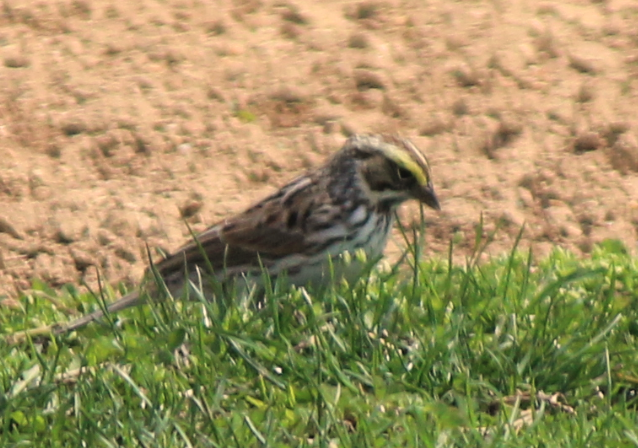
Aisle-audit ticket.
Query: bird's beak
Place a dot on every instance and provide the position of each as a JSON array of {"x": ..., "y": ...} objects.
[{"x": 427, "y": 196}]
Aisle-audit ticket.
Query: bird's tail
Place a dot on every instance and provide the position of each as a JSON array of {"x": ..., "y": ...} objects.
[{"x": 127, "y": 301}]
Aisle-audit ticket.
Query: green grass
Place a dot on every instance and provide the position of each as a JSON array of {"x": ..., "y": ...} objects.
[{"x": 431, "y": 357}]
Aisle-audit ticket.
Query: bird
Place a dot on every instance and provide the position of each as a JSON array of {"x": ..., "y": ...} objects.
[{"x": 303, "y": 230}]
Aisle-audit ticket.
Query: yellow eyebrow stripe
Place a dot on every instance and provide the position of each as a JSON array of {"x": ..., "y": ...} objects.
[{"x": 405, "y": 161}]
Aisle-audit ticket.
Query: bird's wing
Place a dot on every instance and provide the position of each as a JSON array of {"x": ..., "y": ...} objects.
[{"x": 267, "y": 231}]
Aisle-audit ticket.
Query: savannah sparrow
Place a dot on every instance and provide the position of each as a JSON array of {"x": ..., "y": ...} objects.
[{"x": 346, "y": 205}]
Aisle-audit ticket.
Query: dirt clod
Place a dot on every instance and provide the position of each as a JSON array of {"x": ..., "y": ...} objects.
[{"x": 587, "y": 141}]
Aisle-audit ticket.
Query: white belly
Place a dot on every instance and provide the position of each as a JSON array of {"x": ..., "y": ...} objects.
[{"x": 343, "y": 259}]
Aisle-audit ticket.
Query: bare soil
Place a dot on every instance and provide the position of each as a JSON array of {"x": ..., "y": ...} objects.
[{"x": 120, "y": 120}]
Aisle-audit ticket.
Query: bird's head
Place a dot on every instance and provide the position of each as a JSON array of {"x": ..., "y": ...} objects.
[{"x": 392, "y": 170}]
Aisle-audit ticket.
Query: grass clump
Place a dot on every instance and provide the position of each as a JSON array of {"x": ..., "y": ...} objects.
[{"x": 513, "y": 352}]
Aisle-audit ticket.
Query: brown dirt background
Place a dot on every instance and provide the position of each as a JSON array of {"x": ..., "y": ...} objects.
[{"x": 118, "y": 120}]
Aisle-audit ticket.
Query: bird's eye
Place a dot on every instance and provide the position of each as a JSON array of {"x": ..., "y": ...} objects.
[{"x": 404, "y": 174}]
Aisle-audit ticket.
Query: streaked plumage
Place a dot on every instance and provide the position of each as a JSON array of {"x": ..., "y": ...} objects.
[{"x": 345, "y": 205}]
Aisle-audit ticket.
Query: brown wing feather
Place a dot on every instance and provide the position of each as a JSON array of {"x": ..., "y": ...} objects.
[{"x": 260, "y": 233}]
